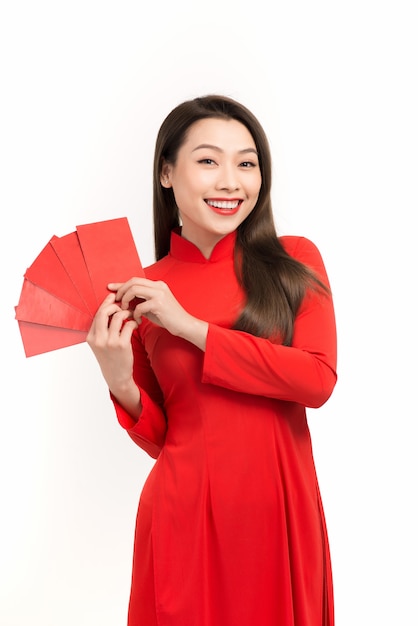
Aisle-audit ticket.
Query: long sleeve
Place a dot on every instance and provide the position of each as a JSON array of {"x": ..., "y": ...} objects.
[
  {"x": 304, "y": 372},
  {"x": 149, "y": 431}
]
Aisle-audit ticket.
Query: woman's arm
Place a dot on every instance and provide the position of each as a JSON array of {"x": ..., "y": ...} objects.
[
  {"x": 305, "y": 372},
  {"x": 133, "y": 387},
  {"x": 110, "y": 340}
]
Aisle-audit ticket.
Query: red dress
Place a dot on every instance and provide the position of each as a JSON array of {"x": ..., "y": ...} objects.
[{"x": 230, "y": 528}]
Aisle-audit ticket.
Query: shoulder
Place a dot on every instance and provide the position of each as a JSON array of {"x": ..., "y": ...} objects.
[
  {"x": 303, "y": 250},
  {"x": 158, "y": 270},
  {"x": 294, "y": 244}
]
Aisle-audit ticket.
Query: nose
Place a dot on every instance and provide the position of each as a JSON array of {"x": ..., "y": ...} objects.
[{"x": 228, "y": 179}]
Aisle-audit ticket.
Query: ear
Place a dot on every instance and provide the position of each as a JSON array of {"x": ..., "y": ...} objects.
[{"x": 165, "y": 175}]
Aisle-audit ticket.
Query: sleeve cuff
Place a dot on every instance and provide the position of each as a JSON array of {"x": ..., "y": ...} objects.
[{"x": 149, "y": 431}]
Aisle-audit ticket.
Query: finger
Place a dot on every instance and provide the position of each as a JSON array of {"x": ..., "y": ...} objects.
[
  {"x": 121, "y": 288},
  {"x": 104, "y": 313},
  {"x": 127, "y": 329},
  {"x": 129, "y": 283},
  {"x": 114, "y": 286},
  {"x": 129, "y": 298},
  {"x": 126, "y": 292},
  {"x": 153, "y": 318},
  {"x": 148, "y": 309},
  {"x": 110, "y": 298},
  {"x": 118, "y": 320}
]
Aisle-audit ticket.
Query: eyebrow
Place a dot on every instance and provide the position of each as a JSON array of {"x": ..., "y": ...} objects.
[{"x": 212, "y": 147}]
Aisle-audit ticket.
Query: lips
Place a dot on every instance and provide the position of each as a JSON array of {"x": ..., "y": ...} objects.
[{"x": 224, "y": 207}]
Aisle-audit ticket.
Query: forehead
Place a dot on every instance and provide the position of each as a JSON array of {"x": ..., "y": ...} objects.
[{"x": 225, "y": 134}]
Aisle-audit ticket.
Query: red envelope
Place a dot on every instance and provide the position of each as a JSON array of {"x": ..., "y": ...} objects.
[
  {"x": 48, "y": 272},
  {"x": 68, "y": 251},
  {"x": 38, "y": 339},
  {"x": 38, "y": 306},
  {"x": 109, "y": 253},
  {"x": 67, "y": 282}
]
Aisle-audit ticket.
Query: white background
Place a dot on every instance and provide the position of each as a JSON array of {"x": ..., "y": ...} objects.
[{"x": 85, "y": 86}]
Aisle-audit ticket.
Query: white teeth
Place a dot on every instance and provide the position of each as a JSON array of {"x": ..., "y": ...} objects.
[{"x": 223, "y": 205}]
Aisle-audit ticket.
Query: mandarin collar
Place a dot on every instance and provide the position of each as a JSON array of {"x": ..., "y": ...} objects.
[{"x": 185, "y": 250}]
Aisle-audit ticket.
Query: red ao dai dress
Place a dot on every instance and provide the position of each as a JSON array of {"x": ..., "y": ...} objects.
[{"x": 230, "y": 528}]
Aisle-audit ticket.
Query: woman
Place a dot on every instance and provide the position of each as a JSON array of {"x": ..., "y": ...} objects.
[{"x": 211, "y": 360}]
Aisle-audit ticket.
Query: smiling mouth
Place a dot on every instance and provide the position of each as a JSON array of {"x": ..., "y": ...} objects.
[{"x": 228, "y": 205}]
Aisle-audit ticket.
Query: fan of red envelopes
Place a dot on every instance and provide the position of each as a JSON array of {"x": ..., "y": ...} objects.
[{"x": 67, "y": 282}]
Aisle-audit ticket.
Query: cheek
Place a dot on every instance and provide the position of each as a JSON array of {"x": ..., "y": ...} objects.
[
  {"x": 254, "y": 185},
  {"x": 190, "y": 184},
  {"x": 257, "y": 185},
  {"x": 255, "y": 190}
]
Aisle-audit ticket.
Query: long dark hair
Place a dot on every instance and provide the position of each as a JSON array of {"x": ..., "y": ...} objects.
[{"x": 273, "y": 281}]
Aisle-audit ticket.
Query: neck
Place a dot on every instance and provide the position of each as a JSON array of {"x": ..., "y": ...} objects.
[{"x": 204, "y": 244}]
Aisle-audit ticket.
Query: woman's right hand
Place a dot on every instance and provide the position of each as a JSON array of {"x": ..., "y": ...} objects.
[{"x": 109, "y": 338}]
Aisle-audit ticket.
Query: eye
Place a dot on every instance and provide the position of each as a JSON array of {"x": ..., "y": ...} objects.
[
  {"x": 207, "y": 161},
  {"x": 248, "y": 164}
]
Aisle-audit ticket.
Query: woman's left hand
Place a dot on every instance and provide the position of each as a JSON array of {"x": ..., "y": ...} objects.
[{"x": 154, "y": 300}]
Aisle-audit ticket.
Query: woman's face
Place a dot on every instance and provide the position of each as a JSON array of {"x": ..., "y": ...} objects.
[{"x": 215, "y": 180}]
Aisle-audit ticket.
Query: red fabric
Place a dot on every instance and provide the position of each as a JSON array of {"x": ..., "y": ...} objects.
[{"x": 231, "y": 529}]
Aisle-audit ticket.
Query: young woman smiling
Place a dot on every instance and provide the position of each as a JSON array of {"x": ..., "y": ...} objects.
[{"x": 211, "y": 361}]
